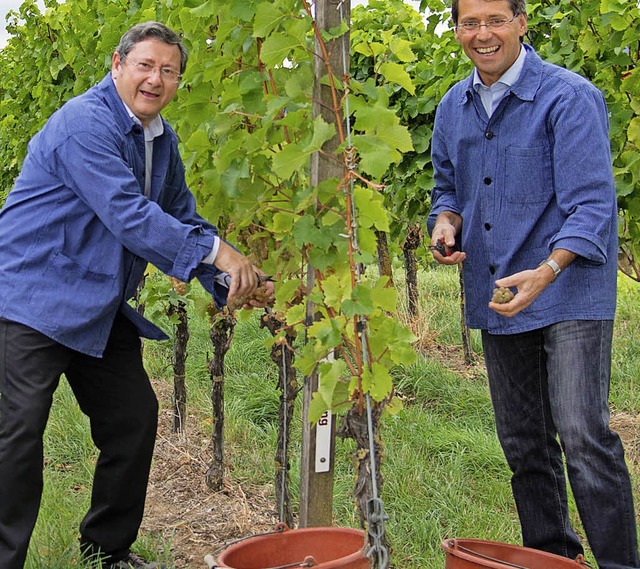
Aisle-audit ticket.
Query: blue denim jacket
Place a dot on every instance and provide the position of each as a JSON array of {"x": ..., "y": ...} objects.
[
  {"x": 76, "y": 231},
  {"x": 534, "y": 177}
]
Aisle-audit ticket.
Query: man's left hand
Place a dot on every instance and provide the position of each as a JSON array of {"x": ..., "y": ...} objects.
[{"x": 529, "y": 285}]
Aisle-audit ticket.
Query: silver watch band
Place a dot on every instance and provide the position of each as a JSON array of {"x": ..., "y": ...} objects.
[{"x": 554, "y": 267}]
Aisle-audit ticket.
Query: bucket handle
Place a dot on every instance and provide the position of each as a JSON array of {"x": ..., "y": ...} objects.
[
  {"x": 209, "y": 559},
  {"x": 454, "y": 545},
  {"x": 309, "y": 561},
  {"x": 279, "y": 528}
]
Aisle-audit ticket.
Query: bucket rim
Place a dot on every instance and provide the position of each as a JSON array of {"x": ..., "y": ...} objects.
[
  {"x": 456, "y": 547},
  {"x": 282, "y": 529}
]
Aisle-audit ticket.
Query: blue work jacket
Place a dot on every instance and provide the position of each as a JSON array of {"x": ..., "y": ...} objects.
[
  {"x": 534, "y": 177},
  {"x": 77, "y": 232}
]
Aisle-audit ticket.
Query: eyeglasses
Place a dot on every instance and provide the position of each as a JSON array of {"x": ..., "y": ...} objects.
[
  {"x": 166, "y": 73},
  {"x": 473, "y": 27}
]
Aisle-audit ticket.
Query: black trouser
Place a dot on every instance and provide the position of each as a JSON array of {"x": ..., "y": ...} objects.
[{"x": 115, "y": 393}]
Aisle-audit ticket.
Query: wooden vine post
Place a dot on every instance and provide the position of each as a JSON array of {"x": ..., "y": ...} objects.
[{"x": 316, "y": 478}]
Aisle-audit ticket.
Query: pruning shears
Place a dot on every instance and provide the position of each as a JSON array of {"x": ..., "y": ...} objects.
[
  {"x": 443, "y": 249},
  {"x": 225, "y": 279},
  {"x": 265, "y": 279}
]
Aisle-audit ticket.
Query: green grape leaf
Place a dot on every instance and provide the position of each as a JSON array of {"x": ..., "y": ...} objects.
[
  {"x": 289, "y": 160},
  {"x": 395, "y": 73},
  {"x": 633, "y": 132},
  {"x": 322, "y": 132},
  {"x": 276, "y": 48},
  {"x": 267, "y": 19},
  {"x": 377, "y": 381}
]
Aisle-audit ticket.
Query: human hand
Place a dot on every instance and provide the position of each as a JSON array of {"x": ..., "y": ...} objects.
[
  {"x": 443, "y": 245},
  {"x": 262, "y": 296},
  {"x": 242, "y": 276},
  {"x": 529, "y": 285},
  {"x": 248, "y": 286}
]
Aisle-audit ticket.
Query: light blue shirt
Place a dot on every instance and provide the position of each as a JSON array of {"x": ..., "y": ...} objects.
[
  {"x": 492, "y": 95},
  {"x": 534, "y": 177}
]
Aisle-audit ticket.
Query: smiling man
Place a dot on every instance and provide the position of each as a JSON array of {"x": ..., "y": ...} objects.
[
  {"x": 101, "y": 194},
  {"x": 493, "y": 49},
  {"x": 524, "y": 189},
  {"x": 147, "y": 77}
]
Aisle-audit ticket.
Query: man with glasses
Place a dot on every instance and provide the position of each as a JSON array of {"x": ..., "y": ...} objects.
[
  {"x": 102, "y": 193},
  {"x": 524, "y": 197}
]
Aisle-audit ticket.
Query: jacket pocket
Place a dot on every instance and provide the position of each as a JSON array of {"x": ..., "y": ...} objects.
[
  {"x": 529, "y": 175},
  {"x": 70, "y": 296}
]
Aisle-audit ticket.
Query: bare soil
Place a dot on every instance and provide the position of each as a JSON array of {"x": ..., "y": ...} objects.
[{"x": 180, "y": 506}]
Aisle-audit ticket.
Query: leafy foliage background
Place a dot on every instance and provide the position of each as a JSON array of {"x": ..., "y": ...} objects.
[{"x": 244, "y": 115}]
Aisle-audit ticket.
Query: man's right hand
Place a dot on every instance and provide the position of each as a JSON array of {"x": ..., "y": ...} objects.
[
  {"x": 444, "y": 231},
  {"x": 243, "y": 275}
]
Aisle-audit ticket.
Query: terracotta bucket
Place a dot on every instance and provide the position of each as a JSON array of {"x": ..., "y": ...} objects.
[
  {"x": 317, "y": 547},
  {"x": 474, "y": 553}
]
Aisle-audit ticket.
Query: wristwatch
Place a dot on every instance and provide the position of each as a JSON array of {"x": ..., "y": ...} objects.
[{"x": 554, "y": 267}]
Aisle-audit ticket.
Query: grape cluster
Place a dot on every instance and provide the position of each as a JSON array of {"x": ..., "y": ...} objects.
[
  {"x": 260, "y": 294},
  {"x": 178, "y": 286},
  {"x": 502, "y": 295}
]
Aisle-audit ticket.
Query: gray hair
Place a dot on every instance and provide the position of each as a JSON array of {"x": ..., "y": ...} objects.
[
  {"x": 517, "y": 7},
  {"x": 152, "y": 30}
]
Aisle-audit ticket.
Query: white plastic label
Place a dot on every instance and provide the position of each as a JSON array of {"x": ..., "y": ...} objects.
[{"x": 323, "y": 443}]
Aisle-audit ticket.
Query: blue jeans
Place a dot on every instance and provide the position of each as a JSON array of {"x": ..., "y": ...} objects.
[{"x": 550, "y": 391}]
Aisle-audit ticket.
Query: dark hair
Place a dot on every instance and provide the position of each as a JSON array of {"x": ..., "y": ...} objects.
[
  {"x": 517, "y": 7},
  {"x": 152, "y": 30}
]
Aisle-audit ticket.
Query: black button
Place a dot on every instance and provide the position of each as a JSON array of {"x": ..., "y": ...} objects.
[
  {"x": 487, "y": 226},
  {"x": 487, "y": 181},
  {"x": 489, "y": 135},
  {"x": 492, "y": 269}
]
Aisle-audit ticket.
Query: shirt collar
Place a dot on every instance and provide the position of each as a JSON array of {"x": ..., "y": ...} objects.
[
  {"x": 509, "y": 77},
  {"x": 155, "y": 128}
]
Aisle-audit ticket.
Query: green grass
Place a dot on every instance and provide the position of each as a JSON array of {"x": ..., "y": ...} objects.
[
  {"x": 444, "y": 472},
  {"x": 626, "y": 354}
]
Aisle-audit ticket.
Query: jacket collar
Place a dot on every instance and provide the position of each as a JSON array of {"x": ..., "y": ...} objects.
[
  {"x": 527, "y": 85},
  {"x": 530, "y": 79}
]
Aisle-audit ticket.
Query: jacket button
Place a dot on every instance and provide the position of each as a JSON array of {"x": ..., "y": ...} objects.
[
  {"x": 489, "y": 135},
  {"x": 487, "y": 226},
  {"x": 487, "y": 181},
  {"x": 492, "y": 269}
]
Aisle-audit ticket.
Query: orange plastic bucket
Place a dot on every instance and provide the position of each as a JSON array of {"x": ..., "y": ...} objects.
[
  {"x": 474, "y": 553},
  {"x": 317, "y": 547}
]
